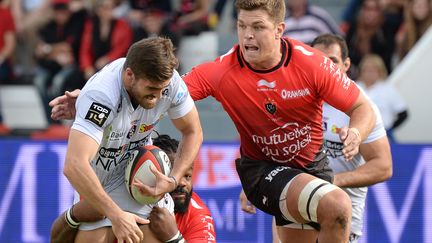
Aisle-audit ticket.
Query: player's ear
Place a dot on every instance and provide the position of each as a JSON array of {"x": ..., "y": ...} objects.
[
  {"x": 279, "y": 30},
  {"x": 347, "y": 64}
]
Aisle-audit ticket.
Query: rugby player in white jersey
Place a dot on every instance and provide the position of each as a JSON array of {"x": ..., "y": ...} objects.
[
  {"x": 373, "y": 164},
  {"x": 116, "y": 112}
]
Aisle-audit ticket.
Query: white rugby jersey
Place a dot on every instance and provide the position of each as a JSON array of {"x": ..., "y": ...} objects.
[
  {"x": 105, "y": 113},
  {"x": 333, "y": 121}
]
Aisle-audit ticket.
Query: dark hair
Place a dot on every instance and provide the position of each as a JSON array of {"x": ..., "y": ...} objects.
[
  {"x": 166, "y": 143},
  {"x": 275, "y": 8},
  {"x": 152, "y": 59},
  {"x": 330, "y": 39}
]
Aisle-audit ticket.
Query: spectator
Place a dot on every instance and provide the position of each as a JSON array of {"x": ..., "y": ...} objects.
[
  {"x": 7, "y": 43},
  {"x": 373, "y": 75},
  {"x": 304, "y": 21},
  {"x": 192, "y": 17},
  {"x": 29, "y": 16},
  {"x": 105, "y": 39},
  {"x": 417, "y": 20},
  {"x": 138, "y": 8},
  {"x": 371, "y": 32},
  {"x": 155, "y": 23},
  {"x": 57, "y": 52}
]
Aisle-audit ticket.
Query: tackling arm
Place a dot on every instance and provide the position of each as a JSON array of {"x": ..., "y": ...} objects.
[{"x": 378, "y": 166}]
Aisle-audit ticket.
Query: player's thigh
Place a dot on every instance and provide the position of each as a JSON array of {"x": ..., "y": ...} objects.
[
  {"x": 291, "y": 235},
  {"x": 305, "y": 195},
  {"x": 100, "y": 235},
  {"x": 149, "y": 237}
]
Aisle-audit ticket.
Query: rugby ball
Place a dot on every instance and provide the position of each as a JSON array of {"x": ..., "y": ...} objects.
[{"x": 138, "y": 167}]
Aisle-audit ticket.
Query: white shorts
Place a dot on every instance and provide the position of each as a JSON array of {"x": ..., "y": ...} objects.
[{"x": 122, "y": 198}]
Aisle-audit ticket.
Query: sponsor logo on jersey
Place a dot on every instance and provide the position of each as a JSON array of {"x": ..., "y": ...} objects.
[
  {"x": 147, "y": 127},
  {"x": 116, "y": 135},
  {"x": 335, "y": 129},
  {"x": 264, "y": 85},
  {"x": 333, "y": 149},
  {"x": 98, "y": 114},
  {"x": 283, "y": 143},
  {"x": 292, "y": 94}
]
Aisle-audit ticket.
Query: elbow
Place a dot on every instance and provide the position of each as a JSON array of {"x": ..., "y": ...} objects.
[
  {"x": 387, "y": 173},
  {"x": 69, "y": 169}
]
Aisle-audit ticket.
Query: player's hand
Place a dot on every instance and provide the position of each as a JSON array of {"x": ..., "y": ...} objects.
[
  {"x": 351, "y": 140},
  {"x": 163, "y": 224},
  {"x": 63, "y": 107},
  {"x": 125, "y": 227},
  {"x": 164, "y": 184},
  {"x": 246, "y": 206}
]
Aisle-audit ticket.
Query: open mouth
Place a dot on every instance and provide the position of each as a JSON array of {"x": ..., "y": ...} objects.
[{"x": 251, "y": 48}]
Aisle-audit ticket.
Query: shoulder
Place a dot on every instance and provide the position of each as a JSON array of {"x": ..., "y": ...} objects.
[
  {"x": 304, "y": 56},
  {"x": 197, "y": 205},
  {"x": 106, "y": 84}
]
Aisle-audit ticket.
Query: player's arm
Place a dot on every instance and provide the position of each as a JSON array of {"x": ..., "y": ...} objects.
[
  {"x": 163, "y": 225},
  {"x": 192, "y": 137},
  {"x": 378, "y": 166},
  {"x": 362, "y": 120},
  {"x": 63, "y": 107},
  {"x": 63, "y": 231},
  {"x": 246, "y": 206},
  {"x": 81, "y": 150}
]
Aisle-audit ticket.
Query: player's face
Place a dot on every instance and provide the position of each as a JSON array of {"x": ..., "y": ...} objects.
[
  {"x": 334, "y": 53},
  {"x": 145, "y": 92},
  {"x": 259, "y": 38},
  {"x": 183, "y": 193}
]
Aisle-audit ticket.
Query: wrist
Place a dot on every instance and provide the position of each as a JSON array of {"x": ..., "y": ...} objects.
[
  {"x": 70, "y": 219},
  {"x": 177, "y": 238},
  {"x": 356, "y": 132},
  {"x": 175, "y": 181}
]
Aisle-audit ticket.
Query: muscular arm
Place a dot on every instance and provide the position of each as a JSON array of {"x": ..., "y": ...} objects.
[
  {"x": 378, "y": 166},
  {"x": 362, "y": 120},
  {"x": 362, "y": 116},
  {"x": 192, "y": 137},
  {"x": 81, "y": 150}
]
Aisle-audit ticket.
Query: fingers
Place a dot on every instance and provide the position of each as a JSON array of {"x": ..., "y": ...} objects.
[
  {"x": 73, "y": 94},
  {"x": 351, "y": 143},
  {"x": 246, "y": 206},
  {"x": 140, "y": 220},
  {"x": 57, "y": 100},
  {"x": 343, "y": 132}
]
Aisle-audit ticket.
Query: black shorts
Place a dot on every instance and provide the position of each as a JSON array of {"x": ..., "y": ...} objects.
[{"x": 264, "y": 181}]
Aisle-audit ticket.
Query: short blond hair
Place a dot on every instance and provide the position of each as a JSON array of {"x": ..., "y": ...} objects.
[{"x": 274, "y": 8}]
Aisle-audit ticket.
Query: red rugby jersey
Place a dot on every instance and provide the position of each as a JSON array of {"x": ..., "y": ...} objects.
[
  {"x": 196, "y": 225},
  {"x": 277, "y": 112}
]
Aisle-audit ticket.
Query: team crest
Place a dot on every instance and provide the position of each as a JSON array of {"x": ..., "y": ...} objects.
[{"x": 270, "y": 106}]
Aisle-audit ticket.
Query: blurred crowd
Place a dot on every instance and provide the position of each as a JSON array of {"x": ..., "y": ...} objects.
[{"x": 56, "y": 45}]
